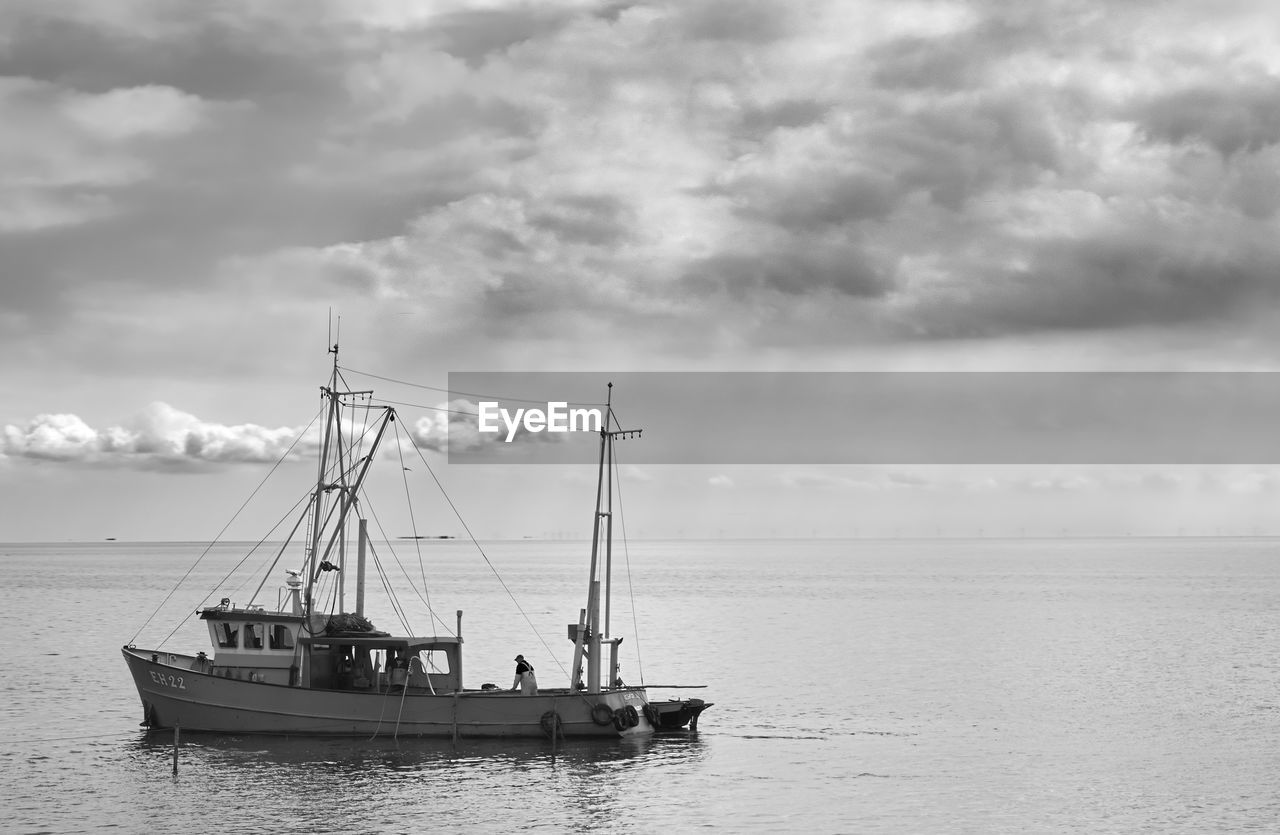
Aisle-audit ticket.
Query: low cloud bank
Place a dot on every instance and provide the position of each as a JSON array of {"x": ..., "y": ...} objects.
[
  {"x": 165, "y": 437},
  {"x": 161, "y": 435}
]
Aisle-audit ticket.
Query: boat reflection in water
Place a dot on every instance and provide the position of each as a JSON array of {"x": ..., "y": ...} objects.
[
  {"x": 324, "y": 757},
  {"x": 422, "y": 784}
]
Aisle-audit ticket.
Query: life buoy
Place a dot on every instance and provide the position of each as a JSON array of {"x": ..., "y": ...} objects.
[
  {"x": 551, "y": 724},
  {"x": 602, "y": 714},
  {"x": 633, "y": 716}
]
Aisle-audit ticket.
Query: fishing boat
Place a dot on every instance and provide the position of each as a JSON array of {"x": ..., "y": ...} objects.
[{"x": 302, "y": 668}]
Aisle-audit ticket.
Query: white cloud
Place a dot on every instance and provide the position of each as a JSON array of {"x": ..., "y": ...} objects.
[
  {"x": 162, "y": 435},
  {"x": 455, "y": 427},
  {"x": 128, "y": 113},
  {"x": 453, "y": 420},
  {"x": 57, "y": 437}
]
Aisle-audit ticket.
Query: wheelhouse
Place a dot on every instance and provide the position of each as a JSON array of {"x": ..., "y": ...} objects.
[
  {"x": 278, "y": 648},
  {"x": 254, "y": 644},
  {"x": 431, "y": 664}
]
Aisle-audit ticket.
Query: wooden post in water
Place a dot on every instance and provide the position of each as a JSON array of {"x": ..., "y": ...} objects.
[
  {"x": 459, "y": 655},
  {"x": 177, "y": 735}
]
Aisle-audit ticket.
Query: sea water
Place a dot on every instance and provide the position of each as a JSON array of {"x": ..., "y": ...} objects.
[{"x": 1120, "y": 685}]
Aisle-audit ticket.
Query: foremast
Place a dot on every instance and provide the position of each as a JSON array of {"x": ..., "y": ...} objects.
[
  {"x": 337, "y": 473},
  {"x": 589, "y": 636}
]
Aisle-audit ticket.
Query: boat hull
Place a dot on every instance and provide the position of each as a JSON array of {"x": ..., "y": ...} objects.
[{"x": 175, "y": 691}]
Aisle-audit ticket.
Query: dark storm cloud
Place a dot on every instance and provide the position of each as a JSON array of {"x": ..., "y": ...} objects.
[
  {"x": 823, "y": 198},
  {"x": 964, "y": 58},
  {"x": 264, "y": 61},
  {"x": 274, "y": 164},
  {"x": 935, "y": 169},
  {"x": 1005, "y": 156},
  {"x": 928, "y": 63},
  {"x": 587, "y": 219},
  {"x": 956, "y": 150},
  {"x": 1130, "y": 277},
  {"x": 951, "y": 151},
  {"x": 745, "y": 21},
  {"x": 476, "y": 34},
  {"x": 759, "y": 120},
  {"x": 1100, "y": 283},
  {"x": 798, "y": 270},
  {"x": 1230, "y": 117}
]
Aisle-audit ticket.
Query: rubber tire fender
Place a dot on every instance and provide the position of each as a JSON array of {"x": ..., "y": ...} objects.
[
  {"x": 602, "y": 714},
  {"x": 633, "y": 716},
  {"x": 551, "y": 724}
]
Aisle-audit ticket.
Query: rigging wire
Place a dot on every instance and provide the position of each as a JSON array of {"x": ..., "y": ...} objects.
[
  {"x": 267, "y": 574},
  {"x": 335, "y": 505},
  {"x": 76, "y": 738},
  {"x": 408, "y": 578},
  {"x": 229, "y": 523},
  {"x": 413, "y": 522},
  {"x": 253, "y": 551},
  {"x": 387, "y": 402},
  {"x": 230, "y": 573},
  {"x": 626, "y": 556},
  {"x": 460, "y": 393},
  {"x": 487, "y": 561},
  {"x": 391, "y": 595}
]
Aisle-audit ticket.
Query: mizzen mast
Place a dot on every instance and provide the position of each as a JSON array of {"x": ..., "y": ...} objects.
[{"x": 588, "y": 635}]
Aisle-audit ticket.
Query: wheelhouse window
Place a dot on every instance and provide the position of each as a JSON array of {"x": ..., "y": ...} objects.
[
  {"x": 227, "y": 636},
  {"x": 434, "y": 660},
  {"x": 281, "y": 637},
  {"x": 253, "y": 636}
]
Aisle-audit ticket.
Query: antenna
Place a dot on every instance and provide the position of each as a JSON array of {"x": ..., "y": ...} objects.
[{"x": 335, "y": 334}]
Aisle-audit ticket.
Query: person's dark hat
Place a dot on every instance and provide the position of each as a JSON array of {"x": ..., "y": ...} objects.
[{"x": 519, "y": 657}]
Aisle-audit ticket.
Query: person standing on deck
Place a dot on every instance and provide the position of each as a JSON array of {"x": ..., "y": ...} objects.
[{"x": 524, "y": 681}]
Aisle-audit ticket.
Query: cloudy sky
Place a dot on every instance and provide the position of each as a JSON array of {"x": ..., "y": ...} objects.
[{"x": 478, "y": 185}]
